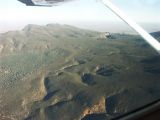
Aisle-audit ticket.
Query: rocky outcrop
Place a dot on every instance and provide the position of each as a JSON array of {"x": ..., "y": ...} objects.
[
  {"x": 88, "y": 79},
  {"x": 104, "y": 70},
  {"x": 96, "y": 109}
]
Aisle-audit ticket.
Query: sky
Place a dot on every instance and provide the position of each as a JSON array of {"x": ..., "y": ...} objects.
[{"x": 82, "y": 13}]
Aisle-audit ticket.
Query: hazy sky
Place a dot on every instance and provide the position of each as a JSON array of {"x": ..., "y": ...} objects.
[{"x": 15, "y": 15}]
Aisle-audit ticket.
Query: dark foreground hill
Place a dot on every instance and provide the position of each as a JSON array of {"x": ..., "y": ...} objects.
[
  {"x": 59, "y": 72},
  {"x": 156, "y": 34}
]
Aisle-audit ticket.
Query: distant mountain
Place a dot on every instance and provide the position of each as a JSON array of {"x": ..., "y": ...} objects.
[
  {"x": 36, "y": 37},
  {"x": 156, "y": 34}
]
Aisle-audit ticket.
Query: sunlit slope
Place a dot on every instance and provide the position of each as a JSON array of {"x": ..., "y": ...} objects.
[{"x": 59, "y": 72}]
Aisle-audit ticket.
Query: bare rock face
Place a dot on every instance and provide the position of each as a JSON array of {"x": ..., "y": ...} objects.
[{"x": 95, "y": 109}]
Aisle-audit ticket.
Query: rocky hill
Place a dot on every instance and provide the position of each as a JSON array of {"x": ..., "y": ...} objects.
[{"x": 60, "y": 72}]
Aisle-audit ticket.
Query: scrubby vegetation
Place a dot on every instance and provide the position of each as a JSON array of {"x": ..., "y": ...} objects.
[{"x": 47, "y": 71}]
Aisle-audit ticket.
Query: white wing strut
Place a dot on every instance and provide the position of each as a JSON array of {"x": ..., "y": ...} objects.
[{"x": 152, "y": 41}]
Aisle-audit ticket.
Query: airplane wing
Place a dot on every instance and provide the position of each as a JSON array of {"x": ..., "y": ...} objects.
[
  {"x": 47, "y": 3},
  {"x": 147, "y": 37},
  {"x": 152, "y": 41}
]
